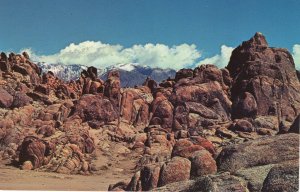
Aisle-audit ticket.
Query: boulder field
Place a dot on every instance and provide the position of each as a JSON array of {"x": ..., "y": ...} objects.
[{"x": 208, "y": 129}]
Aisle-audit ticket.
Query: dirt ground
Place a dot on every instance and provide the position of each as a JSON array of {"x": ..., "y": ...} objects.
[
  {"x": 12, "y": 178},
  {"x": 112, "y": 165}
]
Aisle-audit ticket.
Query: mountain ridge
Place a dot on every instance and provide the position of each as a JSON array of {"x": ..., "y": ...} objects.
[{"x": 132, "y": 74}]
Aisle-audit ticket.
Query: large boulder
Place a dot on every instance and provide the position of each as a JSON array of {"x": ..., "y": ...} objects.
[
  {"x": 178, "y": 169},
  {"x": 210, "y": 183},
  {"x": 162, "y": 112},
  {"x": 283, "y": 177},
  {"x": 36, "y": 151},
  {"x": 265, "y": 77},
  {"x": 134, "y": 108},
  {"x": 6, "y": 99},
  {"x": 203, "y": 164},
  {"x": 199, "y": 102},
  {"x": 150, "y": 177},
  {"x": 262, "y": 151},
  {"x": 95, "y": 110}
]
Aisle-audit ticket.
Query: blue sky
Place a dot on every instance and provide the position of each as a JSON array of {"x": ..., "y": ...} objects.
[{"x": 48, "y": 27}]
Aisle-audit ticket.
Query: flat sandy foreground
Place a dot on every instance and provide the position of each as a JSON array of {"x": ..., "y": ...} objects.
[{"x": 12, "y": 178}]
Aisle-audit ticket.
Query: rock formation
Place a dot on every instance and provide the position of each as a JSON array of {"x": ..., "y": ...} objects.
[{"x": 208, "y": 129}]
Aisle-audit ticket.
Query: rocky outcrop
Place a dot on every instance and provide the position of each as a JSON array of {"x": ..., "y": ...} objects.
[
  {"x": 112, "y": 88},
  {"x": 259, "y": 152},
  {"x": 95, "y": 110},
  {"x": 264, "y": 80},
  {"x": 36, "y": 151},
  {"x": 284, "y": 177},
  {"x": 135, "y": 104},
  {"x": 227, "y": 129}
]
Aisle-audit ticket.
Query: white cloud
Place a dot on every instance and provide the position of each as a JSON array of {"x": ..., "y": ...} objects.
[
  {"x": 103, "y": 55},
  {"x": 220, "y": 60},
  {"x": 296, "y": 55}
]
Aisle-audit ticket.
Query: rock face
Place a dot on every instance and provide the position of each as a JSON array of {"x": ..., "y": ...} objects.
[
  {"x": 264, "y": 80},
  {"x": 259, "y": 152}
]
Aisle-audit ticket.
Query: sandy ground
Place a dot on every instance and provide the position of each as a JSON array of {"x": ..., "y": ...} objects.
[
  {"x": 15, "y": 179},
  {"x": 113, "y": 161},
  {"x": 112, "y": 169},
  {"x": 12, "y": 178}
]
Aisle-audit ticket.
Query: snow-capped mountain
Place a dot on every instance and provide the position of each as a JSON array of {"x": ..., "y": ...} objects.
[{"x": 131, "y": 73}]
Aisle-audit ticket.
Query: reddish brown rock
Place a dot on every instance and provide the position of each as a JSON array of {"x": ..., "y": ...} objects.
[
  {"x": 46, "y": 130},
  {"x": 183, "y": 73},
  {"x": 203, "y": 164},
  {"x": 20, "y": 100},
  {"x": 34, "y": 150},
  {"x": 242, "y": 125},
  {"x": 135, "y": 106},
  {"x": 94, "y": 109},
  {"x": 244, "y": 106},
  {"x": 150, "y": 177},
  {"x": 162, "y": 113},
  {"x": 6, "y": 99},
  {"x": 185, "y": 148},
  {"x": 178, "y": 169},
  {"x": 112, "y": 88},
  {"x": 197, "y": 103},
  {"x": 206, "y": 144},
  {"x": 269, "y": 75}
]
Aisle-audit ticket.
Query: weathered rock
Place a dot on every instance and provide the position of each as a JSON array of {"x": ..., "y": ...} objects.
[
  {"x": 254, "y": 176},
  {"x": 135, "y": 106},
  {"x": 178, "y": 169},
  {"x": 259, "y": 152},
  {"x": 6, "y": 99},
  {"x": 185, "y": 148},
  {"x": 295, "y": 127},
  {"x": 135, "y": 183},
  {"x": 150, "y": 176},
  {"x": 212, "y": 183},
  {"x": 21, "y": 100},
  {"x": 269, "y": 75},
  {"x": 94, "y": 109},
  {"x": 162, "y": 114},
  {"x": 112, "y": 88},
  {"x": 183, "y": 73},
  {"x": 27, "y": 165},
  {"x": 34, "y": 150},
  {"x": 207, "y": 95},
  {"x": 46, "y": 130},
  {"x": 244, "y": 106},
  {"x": 283, "y": 177},
  {"x": 68, "y": 159},
  {"x": 203, "y": 164},
  {"x": 242, "y": 125}
]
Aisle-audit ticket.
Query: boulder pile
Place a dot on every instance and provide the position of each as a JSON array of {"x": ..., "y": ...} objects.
[{"x": 208, "y": 129}]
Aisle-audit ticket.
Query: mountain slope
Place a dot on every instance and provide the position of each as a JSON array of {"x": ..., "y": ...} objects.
[{"x": 131, "y": 74}]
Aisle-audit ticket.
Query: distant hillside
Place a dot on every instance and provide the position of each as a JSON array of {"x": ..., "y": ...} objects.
[{"x": 131, "y": 74}]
